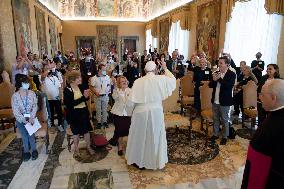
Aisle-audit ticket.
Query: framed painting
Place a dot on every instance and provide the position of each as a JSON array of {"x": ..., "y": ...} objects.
[
  {"x": 107, "y": 39},
  {"x": 22, "y": 26},
  {"x": 52, "y": 34},
  {"x": 41, "y": 31},
  {"x": 129, "y": 43},
  {"x": 208, "y": 29},
  {"x": 85, "y": 42},
  {"x": 164, "y": 27}
]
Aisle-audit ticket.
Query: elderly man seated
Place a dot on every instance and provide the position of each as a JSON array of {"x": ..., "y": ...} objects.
[{"x": 264, "y": 166}]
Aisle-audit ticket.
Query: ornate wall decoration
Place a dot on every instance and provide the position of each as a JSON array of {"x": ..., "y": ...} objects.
[
  {"x": 41, "y": 31},
  {"x": 53, "y": 5},
  {"x": 106, "y": 8},
  {"x": 107, "y": 39},
  {"x": 52, "y": 34},
  {"x": 22, "y": 26},
  {"x": 164, "y": 26},
  {"x": 208, "y": 29}
]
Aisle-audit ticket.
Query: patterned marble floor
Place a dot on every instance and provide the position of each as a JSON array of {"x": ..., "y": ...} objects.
[{"x": 59, "y": 169}]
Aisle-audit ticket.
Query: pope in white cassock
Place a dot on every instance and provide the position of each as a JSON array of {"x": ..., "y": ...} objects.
[{"x": 147, "y": 143}]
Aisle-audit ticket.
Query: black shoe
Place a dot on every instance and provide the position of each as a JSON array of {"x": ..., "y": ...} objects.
[
  {"x": 113, "y": 142},
  {"x": 223, "y": 141},
  {"x": 213, "y": 138},
  {"x": 120, "y": 152},
  {"x": 34, "y": 155},
  {"x": 105, "y": 125},
  {"x": 26, "y": 156},
  {"x": 99, "y": 126},
  {"x": 135, "y": 165}
]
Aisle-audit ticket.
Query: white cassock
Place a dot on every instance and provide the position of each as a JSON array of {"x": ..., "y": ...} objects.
[{"x": 147, "y": 143}]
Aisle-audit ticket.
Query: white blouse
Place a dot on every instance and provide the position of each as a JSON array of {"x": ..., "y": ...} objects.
[{"x": 122, "y": 106}]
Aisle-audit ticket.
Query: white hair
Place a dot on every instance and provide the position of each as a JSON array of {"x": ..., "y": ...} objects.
[{"x": 276, "y": 87}]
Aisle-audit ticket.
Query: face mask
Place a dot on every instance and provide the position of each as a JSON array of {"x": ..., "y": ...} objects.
[
  {"x": 25, "y": 86},
  {"x": 104, "y": 73}
]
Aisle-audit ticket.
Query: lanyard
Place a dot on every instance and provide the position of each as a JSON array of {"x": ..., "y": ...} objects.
[
  {"x": 52, "y": 80},
  {"x": 101, "y": 81},
  {"x": 25, "y": 104}
]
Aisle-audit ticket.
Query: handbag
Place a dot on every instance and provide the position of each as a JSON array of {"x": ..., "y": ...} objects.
[{"x": 100, "y": 141}]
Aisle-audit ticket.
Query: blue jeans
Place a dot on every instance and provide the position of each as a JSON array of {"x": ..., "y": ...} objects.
[
  {"x": 28, "y": 141},
  {"x": 221, "y": 116}
]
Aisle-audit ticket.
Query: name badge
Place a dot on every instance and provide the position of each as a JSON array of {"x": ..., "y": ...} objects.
[
  {"x": 25, "y": 71},
  {"x": 260, "y": 63},
  {"x": 89, "y": 73},
  {"x": 27, "y": 115},
  {"x": 206, "y": 72}
]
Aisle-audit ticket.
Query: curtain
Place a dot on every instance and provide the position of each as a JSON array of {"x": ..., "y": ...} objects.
[
  {"x": 274, "y": 6},
  {"x": 179, "y": 39},
  {"x": 252, "y": 30},
  {"x": 151, "y": 40}
]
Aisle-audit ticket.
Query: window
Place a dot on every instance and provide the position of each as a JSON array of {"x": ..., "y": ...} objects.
[{"x": 252, "y": 30}]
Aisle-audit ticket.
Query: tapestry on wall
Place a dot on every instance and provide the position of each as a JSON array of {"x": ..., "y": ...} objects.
[
  {"x": 52, "y": 34},
  {"x": 208, "y": 24},
  {"x": 107, "y": 39},
  {"x": 1, "y": 54},
  {"x": 41, "y": 31},
  {"x": 164, "y": 35},
  {"x": 22, "y": 26}
]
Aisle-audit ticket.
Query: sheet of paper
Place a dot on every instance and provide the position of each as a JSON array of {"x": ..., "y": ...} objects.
[{"x": 33, "y": 128}]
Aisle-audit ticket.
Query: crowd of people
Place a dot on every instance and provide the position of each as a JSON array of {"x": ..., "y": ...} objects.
[{"x": 135, "y": 88}]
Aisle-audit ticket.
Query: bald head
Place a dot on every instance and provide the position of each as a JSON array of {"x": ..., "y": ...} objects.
[
  {"x": 272, "y": 94},
  {"x": 174, "y": 55}
]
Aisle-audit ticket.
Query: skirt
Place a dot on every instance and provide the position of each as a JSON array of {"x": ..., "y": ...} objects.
[
  {"x": 122, "y": 125},
  {"x": 81, "y": 125}
]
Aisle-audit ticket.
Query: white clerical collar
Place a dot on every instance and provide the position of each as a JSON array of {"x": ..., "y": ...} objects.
[{"x": 279, "y": 108}]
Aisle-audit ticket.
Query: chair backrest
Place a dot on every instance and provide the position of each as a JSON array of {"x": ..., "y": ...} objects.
[
  {"x": 205, "y": 96},
  {"x": 6, "y": 92},
  {"x": 170, "y": 104},
  {"x": 250, "y": 95},
  {"x": 42, "y": 113},
  {"x": 187, "y": 87}
]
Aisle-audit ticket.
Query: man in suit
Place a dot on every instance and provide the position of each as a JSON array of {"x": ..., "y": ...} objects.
[
  {"x": 222, "y": 82},
  {"x": 88, "y": 69},
  {"x": 144, "y": 60},
  {"x": 155, "y": 53},
  {"x": 175, "y": 66},
  {"x": 264, "y": 166},
  {"x": 59, "y": 57}
]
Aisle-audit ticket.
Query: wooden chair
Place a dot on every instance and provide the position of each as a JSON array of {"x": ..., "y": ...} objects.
[
  {"x": 91, "y": 105},
  {"x": 250, "y": 103},
  {"x": 171, "y": 103},
  {"x": 206, "y": 106},
  {"x": 6, "y": 112},
  {"x": 187, "y": 92},
  {"x": 42, "y": 116}
]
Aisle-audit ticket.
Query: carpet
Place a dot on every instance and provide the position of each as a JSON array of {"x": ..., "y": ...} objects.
[{"x": 180, "y": 151}]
